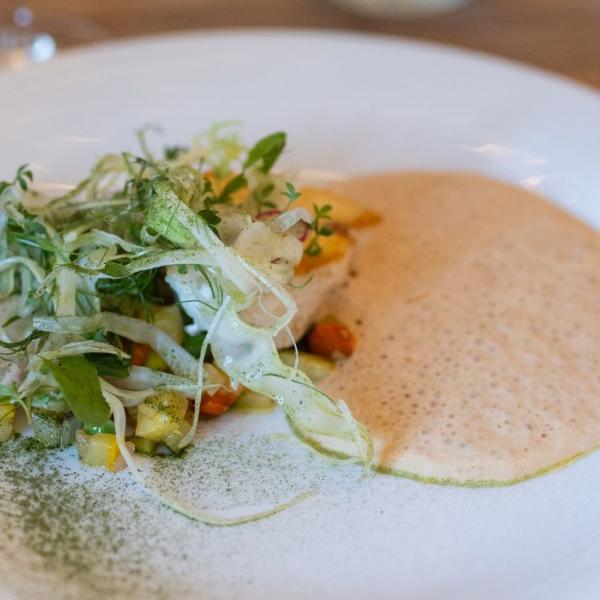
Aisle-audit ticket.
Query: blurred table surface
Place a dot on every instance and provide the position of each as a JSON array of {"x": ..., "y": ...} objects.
[{"x": 559, "y": 35}]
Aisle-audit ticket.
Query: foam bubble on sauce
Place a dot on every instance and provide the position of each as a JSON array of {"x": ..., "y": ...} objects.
[{"x": 479, "y": 329}]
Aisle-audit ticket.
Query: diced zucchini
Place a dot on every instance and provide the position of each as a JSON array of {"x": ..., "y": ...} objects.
[
  {"x": 161, "y": 415},
  {"x": 315, "y": 367},
  {"x": 100, "y": 450},
  {"x": 47, "y": 428},
  {"x": 173, "y": 439},
  {"x": 69, "y": 429},
  {"x": 144, "y": 446},
  {"x": 249, "y": 401},
  {"x": 7, "y": 416}
]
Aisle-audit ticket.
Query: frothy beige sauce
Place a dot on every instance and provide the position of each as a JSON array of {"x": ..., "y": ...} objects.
[{"x": 477, "y": 311}]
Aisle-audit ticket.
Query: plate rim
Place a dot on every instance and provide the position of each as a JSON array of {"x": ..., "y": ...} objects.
[{"x": 307, "y": 33}]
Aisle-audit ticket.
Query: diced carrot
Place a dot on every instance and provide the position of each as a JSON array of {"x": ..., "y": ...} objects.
[
  {"x": 216, "y": 404},
  {"x": 139, "y": 353},
  {"x": 331, "y": 339}
]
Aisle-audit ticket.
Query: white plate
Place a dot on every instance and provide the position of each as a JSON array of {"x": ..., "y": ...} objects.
[{"x": 350, "y": 104}]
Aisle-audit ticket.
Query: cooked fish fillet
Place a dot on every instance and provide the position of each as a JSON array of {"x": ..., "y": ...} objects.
[{"x": 313, "y": 300}]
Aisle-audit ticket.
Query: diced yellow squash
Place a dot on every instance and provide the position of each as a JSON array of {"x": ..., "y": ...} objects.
[
  {"x": 170, "y": 320},
  {"x": 315, "y": 367},
  {"x": 160, "y": 415},
  {"x": 216, "y": 376},
  {"x": 156, "y": 362},
  {"x": 7, "y": 417},
  {"x": 250, "y": 402},
  {"x": 100, "y": 450},
  {"x": 344, "y": 211},
  {"x": 333, "y": 247}
]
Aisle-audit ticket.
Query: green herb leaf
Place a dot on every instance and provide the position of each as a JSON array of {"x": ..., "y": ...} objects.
[
  {"x": 106, "y": 427},
  {"x": 78, "y": 380},
  {"x": 11, "y": 320},
  {"x": 211, "y": 218},
  {"x": 109, "y": 364},
  {"x": 232, "y": 186},
  {"x": 321, "y": 213},
  {"x": 267, "y": 151},
  {"x": 24, "y": 177},
  {"x": 173, "y": 152},
  {"x": 21, "y": 345},
  {"x": 291, "y": 193},
  {"x": 193, "y": 343},
  {"x": 314, "y": 248},
  {"x": 7, "y": 394}
]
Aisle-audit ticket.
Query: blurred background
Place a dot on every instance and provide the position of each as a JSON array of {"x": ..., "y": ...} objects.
[{"x": 559, "y": 35}]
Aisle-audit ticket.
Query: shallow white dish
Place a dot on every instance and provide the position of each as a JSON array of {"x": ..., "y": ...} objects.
[{"x": 350, "y": 104}]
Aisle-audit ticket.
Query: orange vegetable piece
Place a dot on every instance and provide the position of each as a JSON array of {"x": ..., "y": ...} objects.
[
  {"x": 216, "y": 404},
  {"x": 331, "y": 339},
  {"x": 344, "y": 210},
  {"x": 333, "y": 248},
  {"x": 139, "y": 353}
]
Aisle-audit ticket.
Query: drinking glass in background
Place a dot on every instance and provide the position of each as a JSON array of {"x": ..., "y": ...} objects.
[
  {"x": 33, "y": 37},
  {"x": 401, "y": 8}
]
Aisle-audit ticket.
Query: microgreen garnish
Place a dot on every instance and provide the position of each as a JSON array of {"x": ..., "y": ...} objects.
[
  {"x": 149, "y": 256},
  {"x": 21, "y": 346},
  {"x": 211, "y": 218},
  {"x": 265, "y": 152},
  {"x": 23, "y": 178},
  {"x": 261, "y": 197},
  {"x": 132, "y": 293},
  {"x": 173, "y": 152},
  {"x": 291, "y": 193},
  {"x": 321, "y": 213}
]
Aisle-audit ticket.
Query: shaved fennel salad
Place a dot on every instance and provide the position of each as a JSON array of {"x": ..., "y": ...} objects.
[{"x": 124, "y": 302}]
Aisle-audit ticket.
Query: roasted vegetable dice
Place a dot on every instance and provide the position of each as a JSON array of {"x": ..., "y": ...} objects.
[
  {"x": 316, "y": 367},
  {"x": 100, "y": 450},
  {"x": 144, "y": 446},
  {"x": 47, "y": 428},
  {"x": 249, "y": 401},
  {"x": 160, "y": 415},
  {"x": 173, "y": 439},
  {"x": 169, "y": 319},
  {"x": 7, "y": 417},
  {"x": 332, "y": 340},
  {"x": 217, "y": 403}
]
